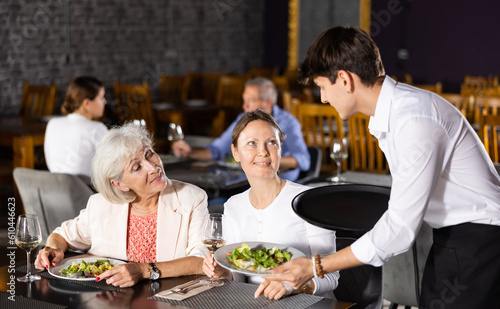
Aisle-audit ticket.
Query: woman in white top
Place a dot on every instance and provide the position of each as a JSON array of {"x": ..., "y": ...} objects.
[
  {"x": 70, "y": 141},
  {"x": 264, "y": 212}
]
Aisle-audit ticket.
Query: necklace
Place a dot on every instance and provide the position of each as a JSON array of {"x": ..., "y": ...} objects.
[{"x": 143, "y": 211}]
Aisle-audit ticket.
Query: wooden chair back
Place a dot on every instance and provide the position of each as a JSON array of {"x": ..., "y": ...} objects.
[
  {"x": 320, "y": 124},
  {"x": 38, "y": 100},
  {"x": 200, "y": 86},
  {"x": 171, "y": 88},
  {"x": 490, "y": 132},
  {"x": 364, "y": 152},
  {"x": 229, "y": 94},
  {"x": 480, "y": 85},
  {"x": 134, "y": 104}
]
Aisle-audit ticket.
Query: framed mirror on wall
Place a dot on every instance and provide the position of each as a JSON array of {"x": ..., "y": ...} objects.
[{"x": 306, "y": 19}]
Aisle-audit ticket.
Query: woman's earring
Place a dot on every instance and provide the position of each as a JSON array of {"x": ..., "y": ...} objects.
[{"x": 349, "y": 91}]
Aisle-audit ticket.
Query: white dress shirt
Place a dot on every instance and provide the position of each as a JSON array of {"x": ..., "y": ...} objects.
[
  {"x": 279, "y": 224},
  {"x": 441, "y": 173},
  {"x": 70, "y": 143}
]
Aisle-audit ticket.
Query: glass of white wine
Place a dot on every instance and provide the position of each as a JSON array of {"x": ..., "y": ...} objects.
[
  {"x": 213, "y": 240},
  {"x": 28, "y": 237},
  {"x": 339, "y": 154}
]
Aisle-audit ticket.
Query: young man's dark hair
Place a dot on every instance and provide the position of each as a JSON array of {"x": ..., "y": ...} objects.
[{"x": 342, "y": 48}]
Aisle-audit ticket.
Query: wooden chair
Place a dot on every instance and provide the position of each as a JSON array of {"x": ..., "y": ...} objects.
[
  {"x": 489, "y": 132},
  {"x": 489, "y": 105},
  {"x": 229, "y": 94},
  {"x": 200, "y": 86},
  {"x": 480, "y": 85},
  {"x": 37, "y": 100},
  {"x": 171, "y": 89},
  {"x": 320, "y": 124},
  {"x": 134, "y": 104},
  {"x": 364, "y": 152}
]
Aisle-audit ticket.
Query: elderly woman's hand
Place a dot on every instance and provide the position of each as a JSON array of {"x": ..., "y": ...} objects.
[
  {"x": 48, "y": 257},
  {"x": 124, "y": 275},
  {"x": 211, "y": 268}
]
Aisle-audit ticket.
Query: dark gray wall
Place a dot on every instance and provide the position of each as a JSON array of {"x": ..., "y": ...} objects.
[
  {"x": 444, "y": 39},
  {"x": 51, "y": 41}
]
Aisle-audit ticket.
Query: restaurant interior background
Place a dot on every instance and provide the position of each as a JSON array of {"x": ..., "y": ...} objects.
[{"x": 51, "y": 41}]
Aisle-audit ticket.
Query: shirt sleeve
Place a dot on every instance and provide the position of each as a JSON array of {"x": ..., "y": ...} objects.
[
  {"x": 322, "y": 242},
  {"x": 421, "y": 152},
  {"x": 294, "y": 144},
  {"x": 196, "y": 226},
  {"x": 76, "y": 231},
  {"x": 221, "y": 146}
]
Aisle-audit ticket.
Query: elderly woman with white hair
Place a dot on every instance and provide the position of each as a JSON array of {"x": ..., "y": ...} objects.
[{"x": 139, "y": 215}]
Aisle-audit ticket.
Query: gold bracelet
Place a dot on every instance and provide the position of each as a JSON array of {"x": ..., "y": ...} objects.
[{"x": 318, "y": 267}]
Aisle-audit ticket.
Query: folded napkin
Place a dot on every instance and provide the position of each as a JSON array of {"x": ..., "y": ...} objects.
[{"x": 193, "y": 289}]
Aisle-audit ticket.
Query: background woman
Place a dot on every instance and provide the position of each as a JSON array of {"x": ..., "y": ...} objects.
[
  {"x": 138, "y": 215},
  {"x": 264, "y": 213},
  {"x": 70, "y": 141}
]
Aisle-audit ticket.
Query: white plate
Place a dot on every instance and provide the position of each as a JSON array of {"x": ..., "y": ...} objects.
[
  {"x": 56, "y": 270},
  {"x": 221, "y": 256}
]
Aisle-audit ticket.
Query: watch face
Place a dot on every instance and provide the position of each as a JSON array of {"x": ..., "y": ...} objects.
[
  {"x": 155, "y": 275},
  {"x": 153, "y": 271}
]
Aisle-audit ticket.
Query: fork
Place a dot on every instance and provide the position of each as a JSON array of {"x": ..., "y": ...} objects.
[
  {"x": 186, "y": 289},
  {"x": 182, "y": 290}
]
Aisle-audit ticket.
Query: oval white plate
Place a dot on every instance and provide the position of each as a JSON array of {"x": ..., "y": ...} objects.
[
  {"x": 221, "y": 256},
  {"x": 56, "y": 270}
]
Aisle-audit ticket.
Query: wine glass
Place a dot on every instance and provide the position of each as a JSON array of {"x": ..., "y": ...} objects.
[
  {"x": 339, "y": 154},
  {"x": 213, "y": 239},
  {"x": 28, "y": 237},
  {"x": 174, "y": 132}
]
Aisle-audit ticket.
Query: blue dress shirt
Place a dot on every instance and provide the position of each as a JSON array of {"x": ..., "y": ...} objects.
[{"x": 294, "y": 144}]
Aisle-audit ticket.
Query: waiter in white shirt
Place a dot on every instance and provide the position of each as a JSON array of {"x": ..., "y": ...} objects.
[{"x": 441, "y": 174}]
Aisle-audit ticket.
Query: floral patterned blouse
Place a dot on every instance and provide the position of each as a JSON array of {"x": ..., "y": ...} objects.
[{"x": 141, "y": 238}]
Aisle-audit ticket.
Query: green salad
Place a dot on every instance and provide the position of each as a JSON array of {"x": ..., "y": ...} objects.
[
  {"x": 86, "y": 269},
  {"x": 257, "y": 260}
]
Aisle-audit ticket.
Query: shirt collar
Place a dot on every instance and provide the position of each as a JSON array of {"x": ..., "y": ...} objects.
[{"x": 380, "y": 121}]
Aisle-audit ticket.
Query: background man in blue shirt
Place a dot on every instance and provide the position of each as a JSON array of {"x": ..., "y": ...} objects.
[{"x": 259, "y": 93}]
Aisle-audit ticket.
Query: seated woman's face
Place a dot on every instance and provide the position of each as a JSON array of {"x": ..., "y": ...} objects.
[
  {"x": 259, "y": 149},
  {"x": 144, "y": 174}
]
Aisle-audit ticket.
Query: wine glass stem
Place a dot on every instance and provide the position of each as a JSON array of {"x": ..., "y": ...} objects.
[
  {"x": 28, "y": 266},
  {"x": 339, "y": 166}
]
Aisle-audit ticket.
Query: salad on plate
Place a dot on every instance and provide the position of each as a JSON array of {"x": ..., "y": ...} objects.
[
  {"x": 86, "y": 269},
  {"x": 257, "y": 260}
]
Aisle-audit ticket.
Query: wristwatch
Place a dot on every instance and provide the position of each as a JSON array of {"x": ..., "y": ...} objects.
[{"x": 154, "y": 273}]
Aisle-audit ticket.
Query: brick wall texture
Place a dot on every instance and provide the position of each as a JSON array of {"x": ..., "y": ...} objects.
[{"x": 51, "y": 41}]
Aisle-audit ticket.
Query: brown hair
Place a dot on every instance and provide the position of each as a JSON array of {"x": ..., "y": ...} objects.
[
  {"x": 342, "y": 48},
  {"x": 257, "y": 114},
  {"x": 79, "y": 89}
]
